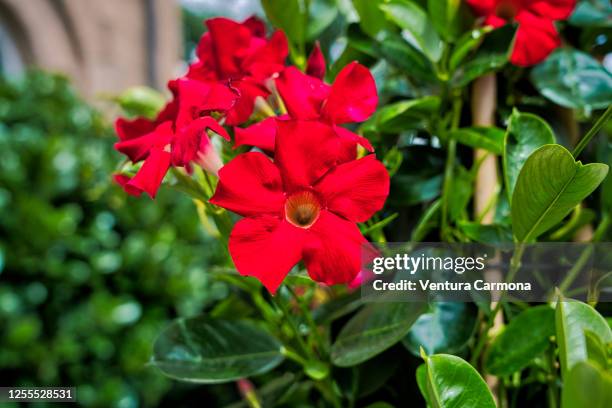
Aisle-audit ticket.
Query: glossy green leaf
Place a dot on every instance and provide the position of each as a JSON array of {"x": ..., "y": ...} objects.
[
  {"x": 573, "y": 79},
  {"x": 372, "y": 330},
  {"x": 322, "y": 15},
  {"x": 421, "y": 377},
  {"x": 549, "y": 186},
  {"x": 453, "y": 383},
  {"x": 411, "y": 17},
  {"x": 526, "y": 133},
  {"x": 592, "y": 13},
  {"x": 404, "y": 115},
  {"x": 573, "y": 319},
  {"x": 371, "y": 17},
  {"x": 446, "y": 328},
  {"x": 448, "y": 17},
  {"x": 488, "y": 138},
  {"x": 491, "y": 56},
  {"x": 203, "y": 350},
  {"x": 596, "y": 351},
  {"x": 587, "y": 385},
  {"x": 289, "y": 16},
  {"x": 400, "y": 53},
  {"x": 523, "y": 339},
  {"x": 466, "y": 44}
]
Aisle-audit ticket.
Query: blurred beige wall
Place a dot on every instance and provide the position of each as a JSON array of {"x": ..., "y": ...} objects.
[{"x": 104, "y": 45}]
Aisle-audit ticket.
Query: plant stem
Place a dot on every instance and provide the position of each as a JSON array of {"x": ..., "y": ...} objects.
[
  {"x": 515, "y": 265},
  {"x": 451, "y": 152},
  {"x": 591, "y": 133},
  {"x": 314, "y": 330},
  {"x": 304, "y": 348}
]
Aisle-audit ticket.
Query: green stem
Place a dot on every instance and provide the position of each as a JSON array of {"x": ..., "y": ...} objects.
[
  {"x": 298, "y": 336},
  {"x": 515, "y": 265},
  {"x": 314, "y": 330},
  {"x": 451, "y": 152},
  {"x": 591, "y": 133}
]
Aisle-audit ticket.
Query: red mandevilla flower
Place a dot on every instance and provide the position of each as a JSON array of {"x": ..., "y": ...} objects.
[
  {"x": 351, "y": 98},
  {"x": 536, "y": 36},
  {"x": 304, "y": 205},
  {"x": 238, "y": 54},
  {"x": 176, "y": 137}
]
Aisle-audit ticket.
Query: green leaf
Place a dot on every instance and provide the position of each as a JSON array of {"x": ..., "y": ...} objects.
[
  {"x": 371, "y": 17},
  {"x": 549, "y": 186},
  {"x": 462, "y": 186},
  {"x": 526, "y": 132},
  {"x": 404, "y": 115},
  {"x": 486, "y": 234},
  {"x": 587, "y": 385},
  {"x": 412, "y": 18},
  {"x": 573, "y": 79},
  {"x": 372, "y": 330},
  {"x": 322, "y": 15},
  {"x": 525, "y": 338},
  {"x": 491, "y": 56},
  {"x": 488, "y": 138},
  {"x": 465, "y": 45},
  {"x": 208, "y": 351},
  {"x": 445, "y": 329},
  {"x": 453, "y": 382},
  {"x": 289, "y": 16},
  {"x": 447, "y": 17},
  {"x": 572, "y": 320},
  {"x": 596, "y": 350},
  {"x": 592, "y": 13},
  {"x": 398, "y": 52},
  {"x": 421, "y": 377}
]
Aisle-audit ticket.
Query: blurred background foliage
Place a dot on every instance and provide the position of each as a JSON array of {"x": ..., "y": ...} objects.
[{"x": 88, "y": 275}]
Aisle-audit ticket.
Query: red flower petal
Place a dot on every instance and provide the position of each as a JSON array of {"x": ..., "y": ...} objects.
[
  {"x": 138, "y": 148},
  {"x": 306, "y": 150},
  {"x": 316, "y": 62},
  {"x": 243, "y": 109},
  {"x": 227, "y": 40},
  {"x": 267, "y": 248},
  {"x": 353, "y": 96},
  {"x": 268, "y": 59},
  {"x": 130, "y": 129},
  {"x": 536, "y": 38},
  {"x": 152, "y": 172},
  {"x": 354, "y": 137},
  {"x": 256, "y": 26},
  {"x": 250, "y": 185},
  {"x": 198, "y": 98},
  {"x": 495, "y": 21},
  {"x": 193, "y": 139},
  {"x": 261, "y": 135},
  {"x": 123, "y": 181},
  {"x": 355, "y": 190},
  {"x": 303, "y": 95},
  {"x": 483, "y": 7},
  {"x": 552, "y": 9},
  {"x": 332, "y": 251}
]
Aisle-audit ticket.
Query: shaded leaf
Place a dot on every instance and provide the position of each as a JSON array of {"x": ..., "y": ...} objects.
[
  {"x": 488, "y": 138},
  {"x": 573, "y": 319},
  {"x": 573, "y": 79},
  {"x": 208, "y": 351},
  {"x": 587, "y": 385},
  {"x": 372, "y": 330},
  {"x": 523, "y": 339}
]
